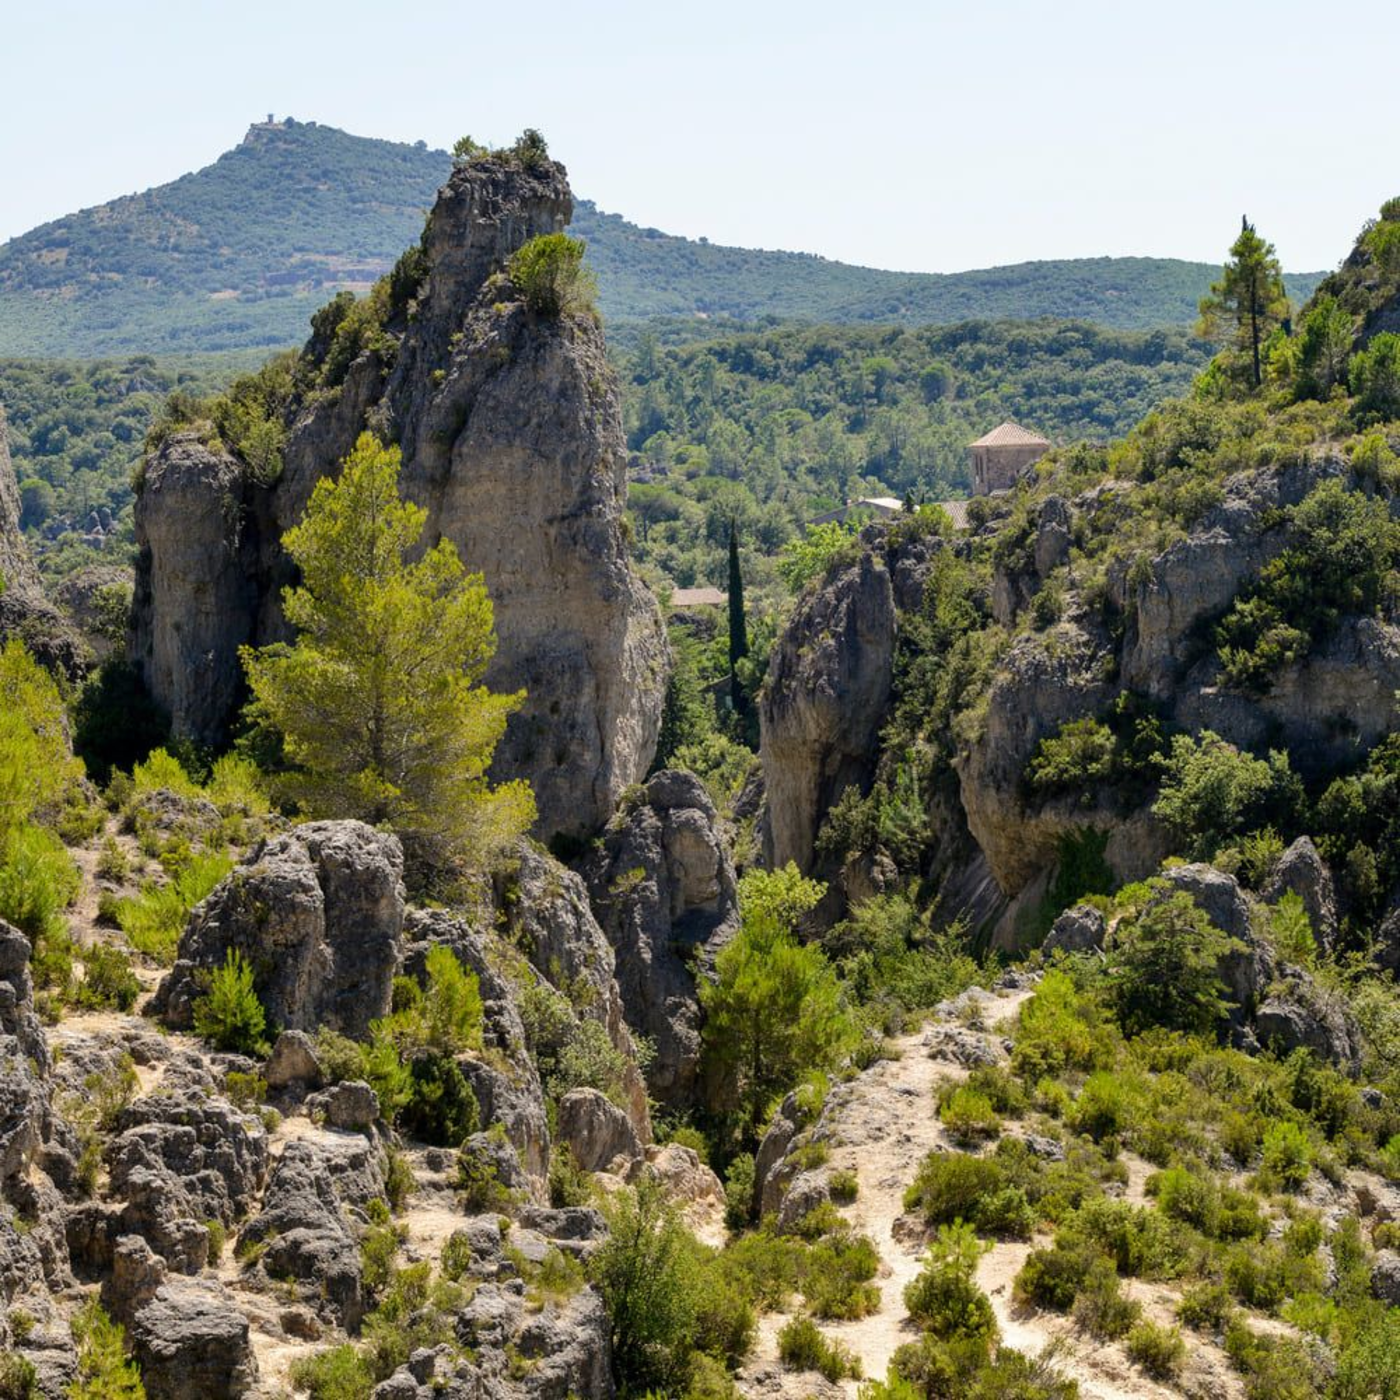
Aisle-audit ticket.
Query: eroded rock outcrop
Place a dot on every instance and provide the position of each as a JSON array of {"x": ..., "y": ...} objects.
[
  {"x": 318, "y": 914},
  {"x": 824, "y": 701},
  {"x": 511, "y": 433},
  {"x": 664, "y": 890}
]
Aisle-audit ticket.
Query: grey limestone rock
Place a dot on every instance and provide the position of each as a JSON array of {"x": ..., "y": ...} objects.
[
  {"x": 664, "y": 890},
  {"x": 596, "y": 1130},
  {"x": 318, "y": 914}
]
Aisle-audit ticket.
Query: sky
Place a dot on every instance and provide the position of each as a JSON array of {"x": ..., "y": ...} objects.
[{"x": 927, "y": 137}]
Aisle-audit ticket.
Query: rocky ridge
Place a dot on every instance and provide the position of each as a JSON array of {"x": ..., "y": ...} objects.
[{"x": 510, "y": 429}]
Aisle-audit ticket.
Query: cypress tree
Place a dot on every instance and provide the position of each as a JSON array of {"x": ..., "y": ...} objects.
[{"x": 738, "y": 625}]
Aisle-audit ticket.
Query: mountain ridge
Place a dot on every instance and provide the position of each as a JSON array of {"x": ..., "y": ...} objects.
[{"x": 240, "y": 253}]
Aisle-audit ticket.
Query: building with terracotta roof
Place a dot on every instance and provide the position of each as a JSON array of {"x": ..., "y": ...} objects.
[{"x": 1003, "y": 456}]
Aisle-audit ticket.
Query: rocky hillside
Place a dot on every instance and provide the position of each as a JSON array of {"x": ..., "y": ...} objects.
[
  {"x": 1167, "y": 647},
  {"x": 510, "y": 428},
  {"x": 242, "y": 252}
]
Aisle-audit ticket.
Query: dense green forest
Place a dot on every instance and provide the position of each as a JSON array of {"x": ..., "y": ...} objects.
[
  {"x": 242, "y": 252},
  {"x": 767, "y": 428},
  {"x": 771, "y": 428}
]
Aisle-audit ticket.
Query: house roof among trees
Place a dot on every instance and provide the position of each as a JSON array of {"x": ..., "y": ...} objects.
[{"x": 1010, "y": 434}]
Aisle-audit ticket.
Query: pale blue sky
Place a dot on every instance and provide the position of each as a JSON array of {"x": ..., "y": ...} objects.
[{"x": 928, "y": 136}]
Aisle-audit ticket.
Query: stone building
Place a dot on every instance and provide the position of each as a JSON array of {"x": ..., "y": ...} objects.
[{"x": 1002, "y": 457}]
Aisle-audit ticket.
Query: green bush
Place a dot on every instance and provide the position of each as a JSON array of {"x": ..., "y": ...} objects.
[
  {"x": 844, "y": 1186},
  {"x": 1205, "y": 1307},
  {"x": 948, "y": 1186},
  {"x": 1287, "y": 1153},
  {"x": 968, "y": 1115},
  {"x": 548, "y": 273},
  {"x": 569, "y": 1184},
  {"x": 738, "y": 1191},
  {"x": 1100, "y": 1307},
  {"x": 837, "y": 1277},
  {"x": 1159, "y": 1350},
  {"x": 1052, "y": 1276},
  {"x": 107, "y": 979},
  {"x": 229, "y": 1015},
  {"x": 337, "y": 1373},
  {"x": 18, "y": 1378},
  {"x": 944, "y": 1298},
  {"x": 441, "y": 1108},
  {"x": 645, "y": 1272},
  {"x": 802, "y": 1347},
  {"x": 154, "y": 920},
  {"x": 482, "y": 1190},
  {"x": 1163, "y": 968},
  {"x": 104, "y": 1370}
]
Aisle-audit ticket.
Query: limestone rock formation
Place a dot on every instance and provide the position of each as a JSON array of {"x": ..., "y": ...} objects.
[
  {"x": 195, "y": 594},
  {"x": 663, "y": 887},
  {"x": 318, "y": 914},
  {"x": 596, "y": 1131},
  {"x": 824, "y": 701},
  {"x": 511, "y": 433}
]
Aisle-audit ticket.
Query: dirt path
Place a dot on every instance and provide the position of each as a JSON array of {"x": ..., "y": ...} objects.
[{"x": 883, "y": 1127}]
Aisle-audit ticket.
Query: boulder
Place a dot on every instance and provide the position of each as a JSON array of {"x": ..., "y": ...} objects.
[
  {"x": 350, "y": 1105},
  {"x": 318, "y": 913},
  {"x": 596, "y": 1130},
  {"x": 552, "y": 922},
  {"x": 1385, "y": 1277},
  {"x": 664, "y": 890},
  {"x": 808, "y": 1192},
  {"x": 824, "y": 701},
  {"x": 1302, "y": 871},
  {"x": 1302, "y": 1016},
  {"x": 1247, "y": 971},
  {"x": 1080, "y": 929},
  {"x": 192, "y": 1343},
  {"x": 307, "y": 1226},
  {"x": 293, "y": 1062}
]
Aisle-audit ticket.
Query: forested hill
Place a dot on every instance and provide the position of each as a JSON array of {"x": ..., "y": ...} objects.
[{"x": 240, "y": 253}]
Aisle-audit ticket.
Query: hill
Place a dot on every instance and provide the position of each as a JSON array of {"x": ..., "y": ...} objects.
[{"x": 240, "y": 254}]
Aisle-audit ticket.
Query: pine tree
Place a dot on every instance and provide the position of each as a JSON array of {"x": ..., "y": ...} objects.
[
  {"x": 1249, "y": 297},
  {"x": 378, "y": 701}
]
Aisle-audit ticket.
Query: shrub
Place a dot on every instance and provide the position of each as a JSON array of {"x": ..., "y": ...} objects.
[
  {"x": 968, "y": 1115},
  {"x": 844, "y": 1186},
  {"x": 1212, "y": 792},
  {"x": 337, "y": 1373},
  {"x": 738, "y": 1191},
  {"x": 1159, "y": 1350},
  {"x": 645, "y": 1272},
  {"x": 802, "y": 1347},
  {"x": 724, "y": 1314},
  {"x": 440, "y": 1108},
  {"x": 482, "y": 1189},
  {"x": 1205, "y": 1307},
  {"x": 229, "y": 1015},
  {"x": 768, "y": 1267},
  {"x": 104, "y": 1370},
  {"x": 1287, "y": 1153},
  {"x": 569, "y": 1184},
  {"x": 1060, "y": 1028},
  {"x": 1164, "y": 968},
  {"x": 548, "y": 273},
  {"x": 944, "y": 1297},
  {"x": 1106, "y": 1106},
  {"x": 836, "y": 1277},
  {"x": 107, "y": 979},
  {"x": 1100, "y": 1307},
  {"x": 154, "y": 919},
  {"x": 1052, "y": 1277},
  {"x": 38, "y": 881},
  {"x": 18, "y": 1378},
  {"x": 949, "y": 1185}
]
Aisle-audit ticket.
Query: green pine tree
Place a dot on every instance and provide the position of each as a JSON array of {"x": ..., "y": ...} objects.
[
  {"x": 738, "y": 622},
  {"x": 378, "y": 700},
  {"x": 1249, "y": 300}
]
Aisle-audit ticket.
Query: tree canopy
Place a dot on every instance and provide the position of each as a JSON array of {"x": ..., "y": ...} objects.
[
  {"x": 1249, "y": 300},
  {"x": 378, "y": 701}
]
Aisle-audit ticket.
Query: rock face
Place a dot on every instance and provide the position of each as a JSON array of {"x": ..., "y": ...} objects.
[
  {"x": 664, "y": 890},
  {"x": 511, "y": 432},
  {"x": 318, "y": 914},
  {"x": 195, "y": 596},
  {"x": 824, "y": 701},
  {"x": 596, "y": 1131}
]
